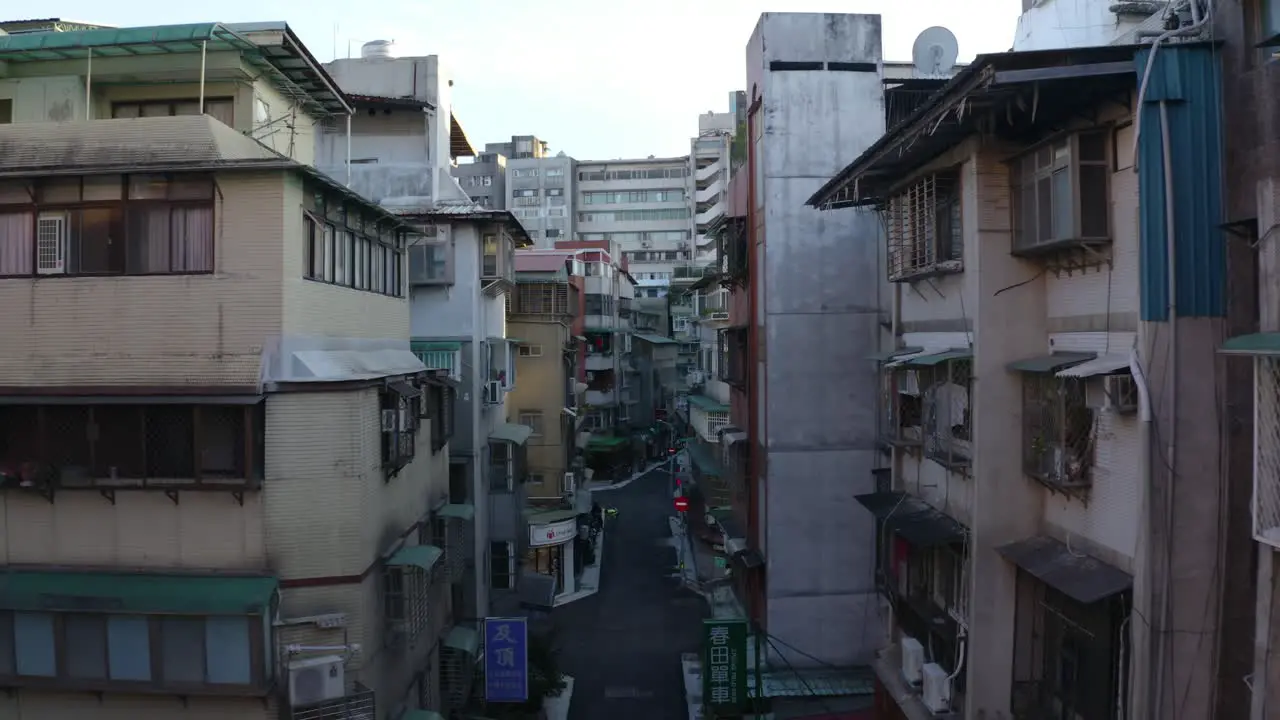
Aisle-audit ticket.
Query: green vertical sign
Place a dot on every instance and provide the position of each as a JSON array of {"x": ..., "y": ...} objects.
[{"x": 724, "y": 666}]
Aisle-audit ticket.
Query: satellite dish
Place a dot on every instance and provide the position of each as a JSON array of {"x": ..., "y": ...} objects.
[{"x": 935, "y": 53}]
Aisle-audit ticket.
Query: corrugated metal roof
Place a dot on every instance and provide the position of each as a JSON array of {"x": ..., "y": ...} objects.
[
  {"x": 197, "y": 141},
  {"x": 654, "y": 339},
  {"x": 1102, "y": 365},
  {"x": 540, "y": 262},
  {"x": 1081, "y": 576},
  {"x": 1255, "y": 344},
  {"x": 1049, "y": 363}
]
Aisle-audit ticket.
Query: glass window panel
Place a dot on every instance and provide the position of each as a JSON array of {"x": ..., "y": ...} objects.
[
  {"x": 226, "y": 650},
  {"x": 191, "y": 187},
  {"x": 328, "y": 253},
  {"x": 126, "y": 110},
  {"x": 129, "y": 647},
  {"x": 97, "y": 241},
  {"x": 6, "y": 643},
  {"x": 190, "y": 107},
  {"x": 182, "y": 650},
  {"x": 86, "y": 646},
  {"x": 1093, "y": 146},
  {"x": 1095, "y": 201},
  {"x": 159, "y": 109},
  {"x": 61, "y": 190},
  {"x": 148, "y": 187},
  {"x": 33, "y": 644},
  {"x": 1062, "y": 205},
  {"x": 221, "y": 110},
  {"x": 1044, "y": 210}
]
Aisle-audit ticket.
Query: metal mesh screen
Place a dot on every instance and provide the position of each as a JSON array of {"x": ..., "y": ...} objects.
[
  {"x": 946, "y": 412},
  {"x": 1058, "y": 431},
  {"x": 1266, "y": 470}
]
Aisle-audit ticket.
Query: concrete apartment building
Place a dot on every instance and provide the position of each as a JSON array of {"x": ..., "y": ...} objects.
[
  {"x": 545, "y": 312},
  {"x": 1025, "y": 530},
  {"x": 461, "y": 270},
  {"x": 238, "y": 507},
  {"x": 540, "y": 191},
  {"x": 643, "y": 206},
  {"x": 484, "y": 179}
]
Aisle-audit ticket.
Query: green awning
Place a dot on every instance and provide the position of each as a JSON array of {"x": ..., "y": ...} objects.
[
  {"x": 654, "y": 339},
  {"x": 891, "y": 354},
  {"x": 937, "y": 358},
  {"x": 606, "y": 442},
  {"x": 422, "y": 715},
  {"x": 512, "y": 433},
  {"x": 703, "y": 458},
  {"x": 464, "y": 639},
  {"x": 706, "y": 404},
  {"x": 434, "y": 346},
  {"x": 546, "y": 517},
  {"x": 1267, "y": 343},
  {"x": 460, "y": 511},
  {"x": 1050, "y": 363},
  {"x": 516, "y": 341},
  {"x": 145, "y": 594},
  {"x": 419, "y": 556}
]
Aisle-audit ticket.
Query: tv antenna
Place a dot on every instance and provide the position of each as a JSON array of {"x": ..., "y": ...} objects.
[{"x": 934, "y": 53}]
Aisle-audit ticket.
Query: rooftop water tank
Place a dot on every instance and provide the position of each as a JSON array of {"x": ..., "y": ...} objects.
[{"x": 376, "y": 50}]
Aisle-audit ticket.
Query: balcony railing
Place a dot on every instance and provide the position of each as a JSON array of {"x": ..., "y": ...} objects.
[
  {"x": 689, "y": 272},
  {"x": 357, "y": 704}
]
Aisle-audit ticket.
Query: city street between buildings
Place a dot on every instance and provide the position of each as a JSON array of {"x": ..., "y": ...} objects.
[{"x": 622, "y": 646}]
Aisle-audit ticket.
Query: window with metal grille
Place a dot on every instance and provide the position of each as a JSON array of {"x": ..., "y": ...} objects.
[
  {"x": 923, "y": 226},
  {"x": 542, "y": 299},
  {"x": 1058, "y": 431}
]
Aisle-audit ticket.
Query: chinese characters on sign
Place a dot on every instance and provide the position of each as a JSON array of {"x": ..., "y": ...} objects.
[
  {"x": 506, "y": 660},
  {"x": 724, "y": 666}
]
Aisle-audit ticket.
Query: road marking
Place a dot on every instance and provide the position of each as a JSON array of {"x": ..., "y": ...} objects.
[{"x": 617, "y": 692}]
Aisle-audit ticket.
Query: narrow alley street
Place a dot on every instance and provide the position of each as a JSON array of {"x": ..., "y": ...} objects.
[{"x": 623, "y": 645}]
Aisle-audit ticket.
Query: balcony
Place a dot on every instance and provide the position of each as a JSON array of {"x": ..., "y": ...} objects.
[
  {"x": 689, "y": 273},
  {"x": 602, "y": 398},
  {"x": 357, "y": 704},
  {"x": 706, "y": 217},
  {"x": 48, "y": 449},
  {"x": 600, "y": 361}
]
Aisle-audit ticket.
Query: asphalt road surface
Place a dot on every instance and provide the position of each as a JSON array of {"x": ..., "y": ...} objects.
[{"x": 622, "y": 645}]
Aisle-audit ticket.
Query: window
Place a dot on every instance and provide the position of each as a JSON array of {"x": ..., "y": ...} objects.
[
  {"x": 346, "y": 245},
  {"x": 1061, "y": 193},
  {"x": 1058, "y": 430},
  {"x": 635, "y": 215},
  {"x": 923, "y": 228},
  {"x": 555, "y": 192},
  {"x": 541, "y": 299},
  {"x": 525, "y": 173},
  {"x": 555, "y": 172},
  {"x": 405, "y": 592},
  {"x": 220, "y": 109},
  {"x": 78, "y": 446},
  {"x": 633, "y": 196},
  {"x": 733, "y": 356},
  {"x": 531, "y": 351},
  {"x": 108, "y": 225},
  {"x": 533, "y": 419},
  {"x": 491, "y": 253},
  {"x": 945, "y": 403},
  {"x": 502, "y": 565},
  {"x": 431, "y": 262},
  {"x": 400, "y": 410},
  {"x": 437, "y": 408},
  {"x": 501, "y": 467},
  {"x": 6, "y": 111},
  {"x": 103, "y": 651}
]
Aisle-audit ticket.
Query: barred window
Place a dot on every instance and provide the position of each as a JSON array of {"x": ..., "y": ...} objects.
[{"x": 923, "y": 226}]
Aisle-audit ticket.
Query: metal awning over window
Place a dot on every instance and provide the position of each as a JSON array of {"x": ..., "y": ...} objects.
[
  {"x": 1101, "y": 365},
  {"x": 936, "y": 358},
  {"x": 463, "y": 639},
  {"x": 512, "y": 433},
  {"x": 537, "y": 591},
  {"x": 136, "y": 593},
  {"x": 912, "y": 519},
  {"x": 1052, "y": 363},
  {"x": 406, "y": 390},
  {"x": 888, "y": 355},
  {"x": 1267, "y": 343},
  {"x": 423, "y": 557},
  {"x": 459, "y": 511},
  {"x": 1077, "y": 575}
]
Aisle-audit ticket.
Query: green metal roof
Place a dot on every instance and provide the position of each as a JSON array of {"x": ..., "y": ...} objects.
[
  {"x": 1050, "y": 363},
  {"x": 460, "y": 511},
  {"x": 433, "y": 346},
  {"x": 546, "y": 517},
  {"x": 464, "y": 639},
  {"x": 937, "y": 358},
  {"x": 136, "y": 593},
  {"x": 289, "y": 66},
  {"x": 1255, "y": 344},
  {"x": 654, "y": 339},
  {"x": 706, "y": 404},
  {"x": 419, "y": 556},
  {"x": 606, "y": 442},
  {"x": 891, "y": 354}
]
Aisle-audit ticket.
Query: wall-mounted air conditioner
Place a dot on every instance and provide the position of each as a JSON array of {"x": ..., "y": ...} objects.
[
  {"x": 1121, "y": 394},
  {"x": 936, "y": 690},
  {"x": 912, "y": 660},
  {"x": 315, "y": 680},
  {"x": 570, "y": 483},
  {"x": 493, "y": 392}
]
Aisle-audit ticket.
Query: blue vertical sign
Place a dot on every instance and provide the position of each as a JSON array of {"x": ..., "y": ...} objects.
[{"x": 506, "y": 660}]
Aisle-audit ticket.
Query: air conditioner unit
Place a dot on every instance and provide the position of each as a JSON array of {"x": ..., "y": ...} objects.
[
  {"x": 936, "y": 690},
  {"x": 570, "y": 482},
  {"x": 493, "y": 392},
  {"x": 912, "y": 660},
  {"x": 316, "y": 680},
  {"x": 1121, "y": 393},
  {"x": 389, "y": 420}
]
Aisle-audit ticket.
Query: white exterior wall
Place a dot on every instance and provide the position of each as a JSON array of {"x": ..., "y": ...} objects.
[{"x": 1049, "y": 24}]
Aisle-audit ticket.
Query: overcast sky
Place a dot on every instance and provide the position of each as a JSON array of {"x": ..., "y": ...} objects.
[{"x": 598, "y": 80}]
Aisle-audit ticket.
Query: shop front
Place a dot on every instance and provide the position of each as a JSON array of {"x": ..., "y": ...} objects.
[{"x": 552, "y": 550}]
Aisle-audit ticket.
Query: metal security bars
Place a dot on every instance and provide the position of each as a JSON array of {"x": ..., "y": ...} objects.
[
  {"x": 1058, "y": 431},
  {"x": 947, "y": 420},
  {"x": 923, "y": 227},
  {"x": 901, "y": 408}
]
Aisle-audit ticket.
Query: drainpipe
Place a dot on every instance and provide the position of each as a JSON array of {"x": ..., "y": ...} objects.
[
  {"x": 88, "y": 84},
  {"x": 204, "y": 51},
  {"x": 348, "y": 149}
]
